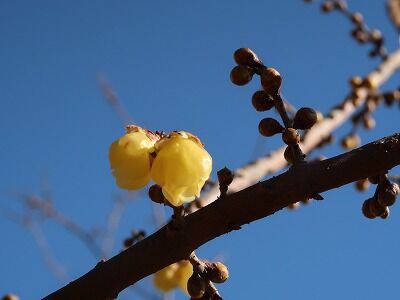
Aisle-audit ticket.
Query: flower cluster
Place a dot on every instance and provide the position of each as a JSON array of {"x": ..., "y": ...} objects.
[{"x": 177, "y": 162}]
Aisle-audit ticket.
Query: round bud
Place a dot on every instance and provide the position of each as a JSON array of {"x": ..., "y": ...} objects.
[
  {"x": 387, "y": 196},
  {"x": 217, "y": 272},
  {"x": 351, "y": 141},
  {"x": 305, "y": 118},
  {"x": 370, "y": 105},
  {"x": 357, "y": 18},
  {"x": 262, "y": 101},
  {"x": 196, "y": 286},
  {"x": 362, "y": 185},
  {"x": 246, "y": 57},
  {"x": 269, "y": 127},
  {"x": 356, "y": 82},
  {"x": 241, "y": 75},
  {"x": 386, "y": 214},
  {"x": 366, "y": 210},
  {"x": 376, "y": 208},
  {"x": 291, "y": 136},
  {"x": 370, "y": 82},
  {"x": 376, "y": 36},
  {"x": 271, "y": 81},
  {"x": 293, "y": 206},
  {"x": 156, "y": 195},
  {"x": 368, "y": 122},
  {"x": 327, "y": 6},
  {"x": 288, "y": 155},
  {"x": 340, "y": 5},
  {"x": 360, "y": 35},
  {"x": 225, "y": 176}
]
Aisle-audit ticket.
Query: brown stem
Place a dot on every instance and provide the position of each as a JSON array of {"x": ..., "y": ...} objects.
[{"x": 159, "y": 250}]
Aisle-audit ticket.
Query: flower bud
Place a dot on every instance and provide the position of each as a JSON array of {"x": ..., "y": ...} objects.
[
  {"x": 356, "y": 82},
  {"x": 305, "y": 118},
  {"x": 269, "y": 127},
  {"x": 262, "y": 101},
  {"x": 366, "y": 210},
  {"x": 351, "y": 141},
  {"x": 288, "y": 155},
  {"x": 327, "y": 6},
  {"x": 246, "y": 57},
  {"x": 241, "y": 75},
  {"x": 368, "y": 122},
  {"x": 225, "y": 176},
  {"x": 387, "y": 195},
  {"x": 196, "y": 286},
  {"x": 217, "y": 272},
  {"x": 362, "y": 185},
  {"x": 156, "y": 195},
  {"x": 357, "y": 18},
  {"x": 376, "y": 208},
  {"x": 271, "y": 81},
  {"x": 10, "y": 297},
  {"x": 291, "y": 136}
]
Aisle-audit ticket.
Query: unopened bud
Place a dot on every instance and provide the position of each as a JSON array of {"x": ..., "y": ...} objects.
[
  {"x": 366, "y": 210},
  {"x": 217, "y": 272},
  {"x": 262, "y": 101},
  {"x": 327, "y": 6},
  {"x": 387, "y": 195},
  {"x": 269, "y": 127},
  {"x": 362, "y": 185},
  {"x": 271, "y": 81},
  {"x": 225, "y": 176},
  {"x": 305, "y": 118},
  {"x": 357, "y": 18},
  {"x": 376, "y": 208},
  {"x": 291, "y": 136},
  {"x": 241, "y": 75},
  {"x": 288, "y": 155},
  {"x": 246, "y": 57},
  {"x": 351, "y": 141},
  {"x": 156, "y": 195},
  {"x": 196, "y": 286}
]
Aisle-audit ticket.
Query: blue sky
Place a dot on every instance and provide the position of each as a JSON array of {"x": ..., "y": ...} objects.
[{"x": 169, "y": 63}]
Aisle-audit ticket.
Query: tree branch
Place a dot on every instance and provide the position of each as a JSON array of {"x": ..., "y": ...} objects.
[
  {"x": 263, "y": 199},
  {"x": 255, "y": 171}
]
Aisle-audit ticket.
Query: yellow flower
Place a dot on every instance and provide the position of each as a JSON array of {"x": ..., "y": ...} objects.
[
  {"x": 173, "y": 276},
  {"x": 130, "y": 158},
  {"x": 181, "y": 167}
]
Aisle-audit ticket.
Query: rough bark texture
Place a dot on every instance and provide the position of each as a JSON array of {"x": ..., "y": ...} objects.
[{"x": 265, "y": 198}]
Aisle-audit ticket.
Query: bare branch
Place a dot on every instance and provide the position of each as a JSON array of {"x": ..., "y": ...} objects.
[{"x": 229, "y": 213}]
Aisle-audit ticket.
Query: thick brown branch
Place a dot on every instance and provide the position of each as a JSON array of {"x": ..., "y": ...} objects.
[{"x": 164, "y": 247}]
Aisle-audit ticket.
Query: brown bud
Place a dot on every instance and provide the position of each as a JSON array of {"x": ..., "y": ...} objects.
[
  {"x": 225, "y": 176},
  {"x": 368, "y": 122},
  {"x": 271, "y": 81},
  {"x": 262, "y": 101},
  {"x": 340, "y": 5},
  {"x": 288, "y": 155},
  {"x": 370, "y": 105},
  {"x": 355, "y": 82},
  {"x": 357, "y": 18},
  {"x": 351, "y": 141},
  {"x": 293, "y": 206},
  {"x": 327, "y": 6},
  {"x": 387, "y": 195},
  {"x": 360, "y": 35},
  {"x": 241, "y": 75},
  {"x": 305, "y": 118},
  {"x": 269, "y": 127},
  {"x": 366, "y": 210},
  {"x": 246, "y": 57},
  {"x": 217, "y": 272},
  {"x": 196, "y": 286},
  {"x": 376, "y": 208},
  {"x": 376, "y": 36},
  {"x": 156, "y": 195},
  {"x": 370, "y": 82},
  {"x": 362, "y": 185},
  {"x": 291, "y": 136}
]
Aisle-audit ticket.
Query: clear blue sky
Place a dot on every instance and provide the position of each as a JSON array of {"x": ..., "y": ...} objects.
[{"x": 169, "y": 62}]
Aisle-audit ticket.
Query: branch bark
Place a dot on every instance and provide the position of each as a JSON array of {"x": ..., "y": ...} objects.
[{"x": 229, "y": 213}]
